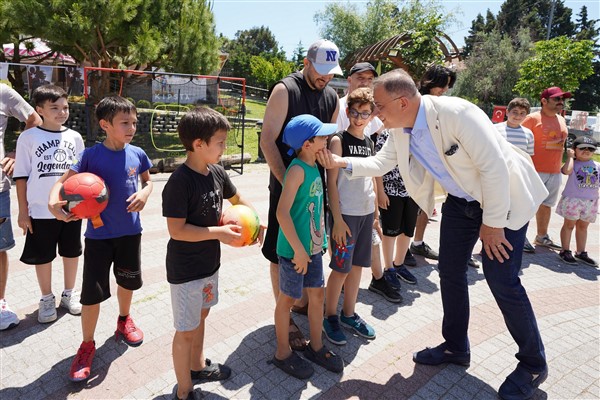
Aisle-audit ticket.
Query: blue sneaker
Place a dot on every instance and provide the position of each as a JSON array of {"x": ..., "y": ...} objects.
[
  {"x": 358, "y": 325},
  {"x": 333, "y": 331},
  {"x": 390, "y": 277},
  {"x": 405, "y": 275}
]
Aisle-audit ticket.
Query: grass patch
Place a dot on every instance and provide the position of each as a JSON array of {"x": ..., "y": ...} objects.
[{"x": 255, "y": 109}]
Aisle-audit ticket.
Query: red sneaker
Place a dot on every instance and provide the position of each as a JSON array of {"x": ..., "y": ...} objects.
[
  {"x": 129, "y": 332},
  {"x": 82, "y": 363}
]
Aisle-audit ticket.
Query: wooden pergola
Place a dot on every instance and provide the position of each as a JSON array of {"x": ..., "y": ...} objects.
[{"x": 386, "y": 51}]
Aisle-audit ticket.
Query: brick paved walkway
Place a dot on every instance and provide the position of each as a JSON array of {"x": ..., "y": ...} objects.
[{"x": 35, "y": 358}]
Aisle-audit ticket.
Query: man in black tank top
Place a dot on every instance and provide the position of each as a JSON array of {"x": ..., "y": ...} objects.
[{"x": 302, "y": 92}]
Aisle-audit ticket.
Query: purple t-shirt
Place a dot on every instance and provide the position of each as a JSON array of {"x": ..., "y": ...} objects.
[
  {"x": 120, "y": 171},
  {"x": 583, "y": 183}
]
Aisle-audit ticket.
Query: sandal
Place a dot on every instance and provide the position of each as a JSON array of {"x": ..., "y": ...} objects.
[
  {"x": 295, "y": 366},
  {"x": 325, "y": 358},
  {"x": 300, "y": 310},
  {"x": 296, "y": 335},
  {"x": 212, "y": 372}
]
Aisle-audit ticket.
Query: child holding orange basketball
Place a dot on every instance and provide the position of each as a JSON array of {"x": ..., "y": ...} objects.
[
  {"x": 116, "y": 238},
  {"x": 192, "y": 203},
  {"x": 300, "y": 243},
  {"x": 44, "y": 153}
]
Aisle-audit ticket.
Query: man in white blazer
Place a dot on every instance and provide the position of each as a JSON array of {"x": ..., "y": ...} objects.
[{"x": 493, "y": 192}]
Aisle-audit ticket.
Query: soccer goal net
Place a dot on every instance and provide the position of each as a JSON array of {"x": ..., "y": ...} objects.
[{"x": 161, "y": 99}]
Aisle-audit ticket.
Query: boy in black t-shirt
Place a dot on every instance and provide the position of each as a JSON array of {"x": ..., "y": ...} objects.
[{"x": 192, "y": 203}]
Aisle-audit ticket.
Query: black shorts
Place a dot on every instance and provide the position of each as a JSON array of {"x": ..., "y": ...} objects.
[
  {"x": 400, "y": 217},
  {"x": 40, "y": 246},
  {"x": 100, "y": 254},
  {"x": 269, "y": 248}
]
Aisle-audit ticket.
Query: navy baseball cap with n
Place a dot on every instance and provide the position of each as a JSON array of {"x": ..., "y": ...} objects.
[
  {"x": 304, "y": 127},
  {"x": 583, "y": 142},
  {"x": 554, "y": 91},
  {"x": 325, "y": 57}
]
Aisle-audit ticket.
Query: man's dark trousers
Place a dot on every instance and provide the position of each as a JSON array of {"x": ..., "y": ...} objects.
[{"x": 460, "y": 225}]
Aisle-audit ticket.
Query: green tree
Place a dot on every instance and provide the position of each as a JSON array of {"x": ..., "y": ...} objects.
[
  {"x": 587, "y": 97},
  {"x": 257, "y": 41},
  {"x": 343, "y": 24},
  {"x": 492, "y": 70},
  {"x": 298, "y": 56},
  {"x": 351, "y": 29},
  {"x": 479, "y": 26},
  {"x": 535, "y": 15},
  {"x": 135, "y": 34},
  {"x": 559, "y": 62},
  {"x": 268, "y": 72}
]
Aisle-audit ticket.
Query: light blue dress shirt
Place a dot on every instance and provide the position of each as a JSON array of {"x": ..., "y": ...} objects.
[{"x": 423, "y": 149}]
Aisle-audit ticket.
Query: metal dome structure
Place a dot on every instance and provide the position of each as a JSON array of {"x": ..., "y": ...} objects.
[{"x": 386, "y": 51}]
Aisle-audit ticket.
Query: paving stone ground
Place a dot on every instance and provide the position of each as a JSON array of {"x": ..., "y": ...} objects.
[{"x": 35, "y": 358}]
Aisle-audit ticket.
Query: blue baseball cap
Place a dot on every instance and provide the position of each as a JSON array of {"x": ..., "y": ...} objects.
[{"x": 304, "y": 127}]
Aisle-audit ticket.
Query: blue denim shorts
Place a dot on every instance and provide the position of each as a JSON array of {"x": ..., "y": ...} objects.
[
  {"x": 291, "y": 282},
  {"x": 7, "y": 241}
]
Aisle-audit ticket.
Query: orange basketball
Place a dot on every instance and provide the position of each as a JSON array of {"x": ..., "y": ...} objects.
[{"x": 246, "y": 218}]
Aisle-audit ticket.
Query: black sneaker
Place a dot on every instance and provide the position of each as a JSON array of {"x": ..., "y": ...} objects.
[
  {"x": 584, "y": 258},
  {"x": 409, "y": 259},
  {"x": 424, "y": 250},
  {"x": 527, "y": 247},
  {"x": 382, "y": 287},
  {"x": 567, "y": 257},
  {"x": 404, "y": 274}
]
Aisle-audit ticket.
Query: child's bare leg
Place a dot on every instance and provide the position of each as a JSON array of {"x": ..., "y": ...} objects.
[
  {"x": 124, "y": 296},
  {"x": 316, "y": 297},
  {"x": 274, "y": 270},
  {"x": 3, "y": 272},
  {"x": 387, "y": 244},
  {"x": 402, "y": 242},
  {"x": 198, "y": 359},
  {"x": 89, "y": 319},
  {"x": 182, "y": 355},
  {"x": 581, "y": 228},
  {"x": 376, "y": 268},
  {"x": 282, "y": 325},
  {"x": 70, "y": 271},
  {"x": 333, "y": 291},
  {"x": 351, "y": 290},
  {"x": 44, "y": 277},
  {"x": 565, "y": 233},
  {"x": 422, "y": 221}
]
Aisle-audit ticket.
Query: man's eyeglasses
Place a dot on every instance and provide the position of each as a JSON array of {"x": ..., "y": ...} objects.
[
  {"x": 586, "y": 148},
  {"x": 354, "y": 114},
  {"x": 557, "y": 99},
  {"x": 381, "y": 106}
]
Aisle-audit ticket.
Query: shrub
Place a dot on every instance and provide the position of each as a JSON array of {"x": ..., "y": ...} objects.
[{"x": 144, "y": 104}]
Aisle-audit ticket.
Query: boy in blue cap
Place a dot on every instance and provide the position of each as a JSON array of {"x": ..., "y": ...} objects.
[{"x": 301, "y": 241}]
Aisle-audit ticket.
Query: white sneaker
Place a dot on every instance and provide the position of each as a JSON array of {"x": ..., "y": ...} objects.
[
  {"x": 71, "y": 302},
  {"x": 47, "y": 310},
  {"x": 8, "y": 319}
]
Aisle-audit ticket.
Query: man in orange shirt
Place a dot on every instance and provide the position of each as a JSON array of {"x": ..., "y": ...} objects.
[{"x": 550, "y": 132}]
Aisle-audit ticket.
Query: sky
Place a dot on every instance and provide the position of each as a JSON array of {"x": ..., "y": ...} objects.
[{"x": 292, "y": 21}]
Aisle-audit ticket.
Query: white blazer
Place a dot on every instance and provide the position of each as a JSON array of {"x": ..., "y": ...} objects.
[{"x": 492, "y": 171}]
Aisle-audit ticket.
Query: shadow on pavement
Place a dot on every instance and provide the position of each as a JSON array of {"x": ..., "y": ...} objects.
[
  {"x": 29, "y": 326},
  {"x": 426, "y": 382},
  {"x": 55, "y": 383}
]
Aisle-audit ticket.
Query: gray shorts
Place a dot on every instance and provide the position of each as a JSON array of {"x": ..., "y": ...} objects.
[
  {"x": 552, "y": 183},
  {"x": 188, "y": 299},
  {"x": 7, "y": 241},
  {"x": 357, "y": 250}
]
